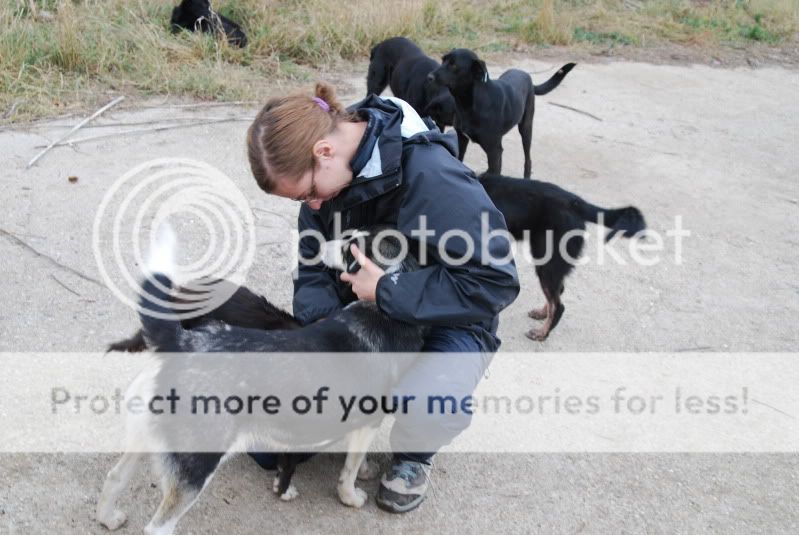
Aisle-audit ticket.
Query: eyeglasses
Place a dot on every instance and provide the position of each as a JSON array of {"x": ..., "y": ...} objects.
[{"x": 311, "y": 194}]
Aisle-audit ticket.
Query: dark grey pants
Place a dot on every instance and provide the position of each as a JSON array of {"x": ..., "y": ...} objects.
[{"x": 435, "y": 380}]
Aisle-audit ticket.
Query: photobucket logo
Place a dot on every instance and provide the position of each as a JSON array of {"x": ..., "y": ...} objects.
[
  {"x": 455, "y": 247},
  {"x": 210, "y": 216}
]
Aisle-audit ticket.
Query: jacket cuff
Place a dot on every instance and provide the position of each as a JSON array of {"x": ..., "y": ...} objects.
[{"x": 381, "y": 293}]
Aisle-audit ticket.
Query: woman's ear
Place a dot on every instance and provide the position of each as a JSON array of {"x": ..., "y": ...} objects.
[{"x": 323, "y": 150}]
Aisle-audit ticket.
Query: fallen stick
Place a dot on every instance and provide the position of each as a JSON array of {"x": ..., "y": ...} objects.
[
  {"x": 577, "y": 111},
  {"x": 64, "y": 286},
  {"x": 75, "y": 129},
  {"x": 199, "y": 104},
  {"x": 146, "y": 130},
  {"x": 144, "y": 123},
  {"x": 11, "y": 110},
  {"x": 22, "y": 243}
]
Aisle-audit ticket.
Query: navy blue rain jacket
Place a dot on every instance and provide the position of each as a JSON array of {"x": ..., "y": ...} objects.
[{"x": 405, "y": 168}]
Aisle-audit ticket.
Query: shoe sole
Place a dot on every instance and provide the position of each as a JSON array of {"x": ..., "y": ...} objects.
[{"x": 396, "y": 509}]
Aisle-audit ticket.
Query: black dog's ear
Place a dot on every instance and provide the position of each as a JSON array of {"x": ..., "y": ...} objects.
[
  {"x": 430, "y": 108},
  {"x": 479, "y": 70}
]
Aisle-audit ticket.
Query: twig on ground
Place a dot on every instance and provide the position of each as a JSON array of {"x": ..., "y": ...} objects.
[
  {"x": 147, "y": 130},
  {"x": 145, "y": 123},
  {"x": 591, "y": 115},
  {"x": 64, "y": 286},
  {"x": 75, "y": 129},
  {"x": 200, "y": 104},
  {"x": 10, "y": 111},
  {"x": 24, "y": 245}
]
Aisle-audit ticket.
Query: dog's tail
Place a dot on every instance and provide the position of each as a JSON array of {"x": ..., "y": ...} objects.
[
  {"x": 160, "y": 326},
  {"x": 627, "y": 220},
  {"x": 555, "y": 81}
]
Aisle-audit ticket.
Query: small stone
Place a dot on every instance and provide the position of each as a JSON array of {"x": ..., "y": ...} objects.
[{"x": 72, "y": 179}]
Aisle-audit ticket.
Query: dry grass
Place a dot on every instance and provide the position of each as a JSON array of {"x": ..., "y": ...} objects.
[{"x": 62, "y": 54}]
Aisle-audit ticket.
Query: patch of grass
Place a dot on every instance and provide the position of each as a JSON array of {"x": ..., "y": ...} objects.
[
  {"x": 581, "y": 34},
  {"x": 58, "y": 55}
]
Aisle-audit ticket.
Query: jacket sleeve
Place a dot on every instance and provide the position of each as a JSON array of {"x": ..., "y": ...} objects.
[
  {"x": 480, "y": 282},
  {"x": 315, "y": 293}
]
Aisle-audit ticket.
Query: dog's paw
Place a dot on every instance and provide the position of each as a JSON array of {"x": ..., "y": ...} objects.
[
  {"x": 354, "y": 497},
  {"x": 114, "y": 521},
  {"x": 290, "y": 494},
  {"x": 368, "y": 470},
  {"x": 538, "y": 313},
  {"x": 276, "y": 484},
  {"x": 539, "y": 335}
]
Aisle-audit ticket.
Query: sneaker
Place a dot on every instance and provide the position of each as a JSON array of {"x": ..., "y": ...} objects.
[{"x": 403, "y": 487}]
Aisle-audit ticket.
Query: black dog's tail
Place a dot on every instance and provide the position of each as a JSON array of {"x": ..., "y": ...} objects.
[
  {"x": 160, "y": 325},
  {"x": 555, "y": 81},
  {"x": 628, "y": 220}
]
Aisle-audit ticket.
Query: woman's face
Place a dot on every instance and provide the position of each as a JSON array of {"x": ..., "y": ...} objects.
[{"x": 330, "y": 175}]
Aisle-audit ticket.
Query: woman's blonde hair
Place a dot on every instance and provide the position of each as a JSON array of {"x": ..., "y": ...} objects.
[{"x": 280, "y": 141}]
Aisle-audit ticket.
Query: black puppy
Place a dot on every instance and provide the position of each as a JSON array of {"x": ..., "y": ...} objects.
[
  {"x": 540, "y": 208},
  {"x": 244, "y": 308},
  {"x": 400, "y": 64},
  {"x": 486, "y": 110},
  {"x": 191, "y": 14}
]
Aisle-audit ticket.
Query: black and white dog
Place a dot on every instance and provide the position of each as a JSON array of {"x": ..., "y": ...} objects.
[
  {"x": 244, "y": 308},
  {"x": 359, "y": 328},
  {"x": 401, "y": 65},
  {"x": 486, "y": 110},
  {"x": 197, "y": 14},
  {"x": 541, "y": 209}
]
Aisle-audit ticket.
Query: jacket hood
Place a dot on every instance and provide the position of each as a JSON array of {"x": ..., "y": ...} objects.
[{"x": 377, "y": 164}]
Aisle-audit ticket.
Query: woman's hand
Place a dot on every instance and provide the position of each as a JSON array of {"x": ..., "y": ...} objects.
[{"x": 364, "y": 281}]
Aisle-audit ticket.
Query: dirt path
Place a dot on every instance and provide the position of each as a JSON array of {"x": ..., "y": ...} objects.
[{"x": 716, "y": 147}]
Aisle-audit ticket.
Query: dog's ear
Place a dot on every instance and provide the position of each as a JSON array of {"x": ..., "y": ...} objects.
[
  {"x": 430, "y": 108},
  {"x": 479, "y": 70}
]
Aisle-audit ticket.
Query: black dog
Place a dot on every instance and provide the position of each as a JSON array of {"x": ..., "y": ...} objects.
[
  {"x": 540, "y": 208},
  {"x": 400, "y": 64},
  {"x": 359, "y": 328},
  {"x": 243, "y": 308},
  {"x": 191, "y": 14},
  {"x": 485, "y": 110}
]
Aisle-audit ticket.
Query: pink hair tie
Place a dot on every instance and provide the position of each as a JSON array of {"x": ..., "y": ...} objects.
[{"x": 322, "y": 104}]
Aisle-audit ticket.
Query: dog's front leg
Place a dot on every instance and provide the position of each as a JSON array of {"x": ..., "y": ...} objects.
[
  {"x": 358, "y": 442},
  {"x": 107, "y": 514},
  {"x": 494, "y": 154},
  {"x": 463, "y": 142}
]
